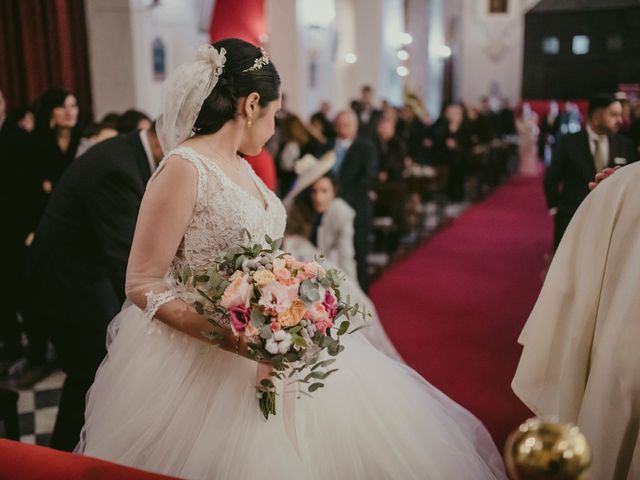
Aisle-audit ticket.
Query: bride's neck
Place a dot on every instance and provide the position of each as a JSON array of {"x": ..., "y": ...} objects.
[{"x": 225, "y": 142}]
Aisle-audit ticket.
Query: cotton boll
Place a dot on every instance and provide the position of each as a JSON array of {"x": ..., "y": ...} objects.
[
  {"x": 279, "y": 335},
  {"x": 284, "y": 346},
  {"x": 271, "y": 346}
]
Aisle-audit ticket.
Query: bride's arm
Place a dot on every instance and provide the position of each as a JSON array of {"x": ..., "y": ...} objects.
[{"x": 165, "y": 213}]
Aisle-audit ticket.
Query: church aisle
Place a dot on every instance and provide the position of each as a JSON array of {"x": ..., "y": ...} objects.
[{"x": 454, "y": 308}]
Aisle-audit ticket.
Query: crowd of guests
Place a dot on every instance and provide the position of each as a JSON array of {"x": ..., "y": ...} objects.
[
  {"x": 354, "y": 182},
  {"x": 337, "y": 174}
]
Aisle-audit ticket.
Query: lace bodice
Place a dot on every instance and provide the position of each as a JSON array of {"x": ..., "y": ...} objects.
[
  {"x": 223, "y": 211},
  {"x": 193, "y": 228}
]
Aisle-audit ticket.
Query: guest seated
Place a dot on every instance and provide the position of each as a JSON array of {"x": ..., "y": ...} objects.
[{"x": 316, "y": 213}]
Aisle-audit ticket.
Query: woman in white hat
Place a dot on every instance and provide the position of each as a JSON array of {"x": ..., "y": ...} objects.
[
  {"x": 319, "y": 222},
  {"x": 319, "y": 215}
]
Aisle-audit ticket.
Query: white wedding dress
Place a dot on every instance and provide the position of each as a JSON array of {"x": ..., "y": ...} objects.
[{"x": 166, "y": 402}]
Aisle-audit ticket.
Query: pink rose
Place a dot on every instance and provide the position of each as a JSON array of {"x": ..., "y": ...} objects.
[
  {"x": 330, "y": 303},
  {"x": 282, "y": 274},
  {"x": 275, "y": 326},
  {"x": 238, "y": 292},
  {"x": 316, "y": 313},
  {"x": 240, "y": 316},
  {"x": 278, "y": 297},
  {"x": 313, "y": 268},
  {"x": 292, "y": 263},
  {"x": 322, "y": 326}
]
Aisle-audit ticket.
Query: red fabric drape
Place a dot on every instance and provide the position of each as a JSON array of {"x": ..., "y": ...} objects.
[
  {"x": 243, "y": 19},
  {"x": 43, "y": 43},
  {"x": 29, "y": 462}
]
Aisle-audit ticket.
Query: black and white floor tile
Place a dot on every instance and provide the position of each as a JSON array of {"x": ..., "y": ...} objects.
[{"x": 37, "y": 409}]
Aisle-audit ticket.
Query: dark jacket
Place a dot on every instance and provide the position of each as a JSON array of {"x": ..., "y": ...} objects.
[
  {"x": 78, "y": 260},
  {"x": 572, "y": 168},
  {"x": 357, "y": 176}
]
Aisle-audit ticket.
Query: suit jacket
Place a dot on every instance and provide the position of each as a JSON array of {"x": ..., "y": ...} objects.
[
  {"x": 357, "y": 176},
  {"x": 572, "y": 168},
  {"x": 335, "y": 237},
  {"x": 78, "y": 260}
]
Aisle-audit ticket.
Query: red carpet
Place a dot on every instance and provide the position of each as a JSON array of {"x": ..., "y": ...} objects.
[{"x": 454, "y": 308}]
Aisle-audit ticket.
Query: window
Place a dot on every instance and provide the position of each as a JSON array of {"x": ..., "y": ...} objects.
[
  {"x": 614, "y": 42},
  {"x": 550, "y": 45},
  {"x": 580, "y": 45}
]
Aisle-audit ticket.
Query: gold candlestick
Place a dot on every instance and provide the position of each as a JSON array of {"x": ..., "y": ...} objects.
[{"x": 540, "y": 450}]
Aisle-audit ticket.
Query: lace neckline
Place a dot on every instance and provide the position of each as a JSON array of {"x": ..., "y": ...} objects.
[{"x": 262, "y": 202}]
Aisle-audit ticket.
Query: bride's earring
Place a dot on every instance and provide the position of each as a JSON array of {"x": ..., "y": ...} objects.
[{"x": 249, "y": 123}]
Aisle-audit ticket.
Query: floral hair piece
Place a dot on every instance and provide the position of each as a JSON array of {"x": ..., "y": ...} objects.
[
  {"x": 208, "y": 53},
  {"x": 258, "y": 63}
]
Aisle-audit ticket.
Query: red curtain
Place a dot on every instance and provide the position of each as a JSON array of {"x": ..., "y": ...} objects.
[
  {"x": 43, "y": 43},
  {"x": 243, "y": 19}
]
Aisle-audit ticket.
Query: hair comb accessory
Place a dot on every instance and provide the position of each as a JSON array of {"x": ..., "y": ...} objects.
[{"x": 258, "y": 63}]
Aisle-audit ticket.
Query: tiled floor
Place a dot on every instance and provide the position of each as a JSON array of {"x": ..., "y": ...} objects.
[{"x": 37, "y": 409}]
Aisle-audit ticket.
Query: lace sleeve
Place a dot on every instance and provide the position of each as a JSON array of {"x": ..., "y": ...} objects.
[{"x": 165, "y": 214}]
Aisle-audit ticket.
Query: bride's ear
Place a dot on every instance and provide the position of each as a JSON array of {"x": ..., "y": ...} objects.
[{"x": 251, "y": 105}]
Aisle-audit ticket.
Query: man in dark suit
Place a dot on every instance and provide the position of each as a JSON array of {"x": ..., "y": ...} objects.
[
  {"x": 356, "y": 167},
  {"x": 77, "y": 263},
  {"x": 368, "y": 116},
  {"x": 13, "y": 141},
  {"x": 579, "y": 156}
]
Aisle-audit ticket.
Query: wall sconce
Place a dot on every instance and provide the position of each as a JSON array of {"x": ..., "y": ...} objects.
[
  {"x": 404, "y": 38},
  {"x": 403, "y": 55},
  {"x": 402, "y": 71},
  {"x": 443, "y": 51}
]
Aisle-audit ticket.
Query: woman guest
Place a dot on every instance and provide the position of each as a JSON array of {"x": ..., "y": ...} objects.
[
  {"x": 50, "y": 151},
  {"x": 316, "y": 213}
]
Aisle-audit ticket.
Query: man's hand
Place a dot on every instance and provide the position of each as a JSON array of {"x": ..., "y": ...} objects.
[{"x": 607, "y": 172}]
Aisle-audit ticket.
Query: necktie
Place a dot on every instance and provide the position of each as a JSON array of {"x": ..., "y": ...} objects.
[
  {"x": 340, "y": 154},
  {"x": 599, "y": 156}
]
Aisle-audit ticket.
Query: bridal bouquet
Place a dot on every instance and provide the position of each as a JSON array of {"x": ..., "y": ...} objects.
[{"x": 288, "y": 311}]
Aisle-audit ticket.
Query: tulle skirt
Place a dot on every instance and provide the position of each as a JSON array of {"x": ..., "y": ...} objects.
[{"x": 168, "y": 403}]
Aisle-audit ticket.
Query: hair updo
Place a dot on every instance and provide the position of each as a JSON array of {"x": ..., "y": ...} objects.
[{"x": 221, "y": 105}]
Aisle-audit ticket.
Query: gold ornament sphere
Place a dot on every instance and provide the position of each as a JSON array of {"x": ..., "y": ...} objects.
[{"x": 540, "y": 450}]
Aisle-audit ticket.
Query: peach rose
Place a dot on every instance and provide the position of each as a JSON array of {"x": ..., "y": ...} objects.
[
  {"x": 282, "y": 274},
  {"x": 238, "y": 292},
  {"x": 292, "y": 316}
]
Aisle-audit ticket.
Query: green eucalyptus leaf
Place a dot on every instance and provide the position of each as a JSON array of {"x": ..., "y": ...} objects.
[{"x": 315, "y": 386}]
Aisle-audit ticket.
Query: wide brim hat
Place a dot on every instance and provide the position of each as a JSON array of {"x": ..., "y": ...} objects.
[{"x": 309, "y": 170}]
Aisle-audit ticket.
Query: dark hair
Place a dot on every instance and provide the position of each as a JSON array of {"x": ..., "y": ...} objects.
[
  {"x": 221, "y": 105},
  {"x": 110, "y": 120},
  {"x": 128, "y": 121},
  {"x": 51, "y": 99},
  {"x": 333, "y": 178},
  {"x": 599, "y": 102},
  {"x": 301, "y": 215}
]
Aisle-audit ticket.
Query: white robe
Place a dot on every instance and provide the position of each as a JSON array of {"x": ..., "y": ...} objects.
[{"x": 581, "y": 358}]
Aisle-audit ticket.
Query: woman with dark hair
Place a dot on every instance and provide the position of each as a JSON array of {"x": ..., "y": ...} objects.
[
  {"x": 163, "y": 402},
  {"x": 49, "y": 151}
]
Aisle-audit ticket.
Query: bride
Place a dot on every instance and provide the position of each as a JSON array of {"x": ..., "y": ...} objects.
[{"x": 165, "y": 401}]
